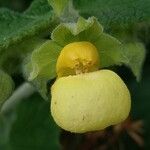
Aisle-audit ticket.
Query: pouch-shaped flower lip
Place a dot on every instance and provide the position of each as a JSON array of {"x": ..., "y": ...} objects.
[{"x": 90, "y": 101}]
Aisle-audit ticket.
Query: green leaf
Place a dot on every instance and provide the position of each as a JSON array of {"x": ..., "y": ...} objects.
[
  {"x": 30, "y": 127},
  {"x": 43, "y": 60},
  {"x": 83, "y": 30},
  {"x": 115, "y": 11},
  {"x": 16, "y": 53},
  {"x": 58, "y": 5},
  {"x": 15, "y": 27},
  {"x": 34, "y": 127},
  {"x": 135, "y": 55},
  {"x": 112, "y": 52},
  {"x": 41, "y": 65},
  {"x": 6, "y": 86}
]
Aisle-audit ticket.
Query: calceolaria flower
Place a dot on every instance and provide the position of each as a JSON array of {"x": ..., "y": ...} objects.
[{"x": 86, "y": 97}]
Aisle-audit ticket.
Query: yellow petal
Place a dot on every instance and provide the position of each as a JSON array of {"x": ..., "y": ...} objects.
[
  {"x": 90, "y": 101},
  {"x": 77, "y": 57}
]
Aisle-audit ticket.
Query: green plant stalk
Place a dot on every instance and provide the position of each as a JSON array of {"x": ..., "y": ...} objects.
[
  {"x": 23, "y": 92},
  {"x": 70, "y": 14}
]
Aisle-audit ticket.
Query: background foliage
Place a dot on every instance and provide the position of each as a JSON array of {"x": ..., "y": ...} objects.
[{"x": 24, "y": 25}]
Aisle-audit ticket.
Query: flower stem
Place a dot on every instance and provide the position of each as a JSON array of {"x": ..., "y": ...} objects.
[{"x": 23, "y": 92}]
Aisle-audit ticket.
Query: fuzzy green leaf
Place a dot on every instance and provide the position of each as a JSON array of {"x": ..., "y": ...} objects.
[
  {"x": 135, "y": 56},
  {"x": 83, "y": 30},
  {"x": 6, "y": 86},
  {"x": 115, "y": 11},
  {"x": 43, "y": 60},
  {"x": 41, "y": 65},
  {"x": 14, "y": 27},
  {"x": 16, "y": 53},
  {"x": 112, "y": 52},
  {"x": 58, "y": 5}
]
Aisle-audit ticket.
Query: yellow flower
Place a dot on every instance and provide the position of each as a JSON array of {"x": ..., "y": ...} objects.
[{"x": 84, "y": 99}]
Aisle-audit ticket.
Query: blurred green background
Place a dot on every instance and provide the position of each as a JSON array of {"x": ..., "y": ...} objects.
[
  {"x": 17, "y": 5},
  {"x": 30, "y": 126}
]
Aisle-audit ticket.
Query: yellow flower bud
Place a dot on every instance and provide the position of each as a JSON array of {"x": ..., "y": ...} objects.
[
  {"x": 90, "y": 101},
  {"x": 76, "y": 58}
]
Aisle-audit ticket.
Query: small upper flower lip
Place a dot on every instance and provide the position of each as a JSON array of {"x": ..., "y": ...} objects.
[{"x": 76, "y": 58}]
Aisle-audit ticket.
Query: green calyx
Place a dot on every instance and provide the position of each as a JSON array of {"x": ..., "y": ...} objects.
[{"x": 41, "y": 65}]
